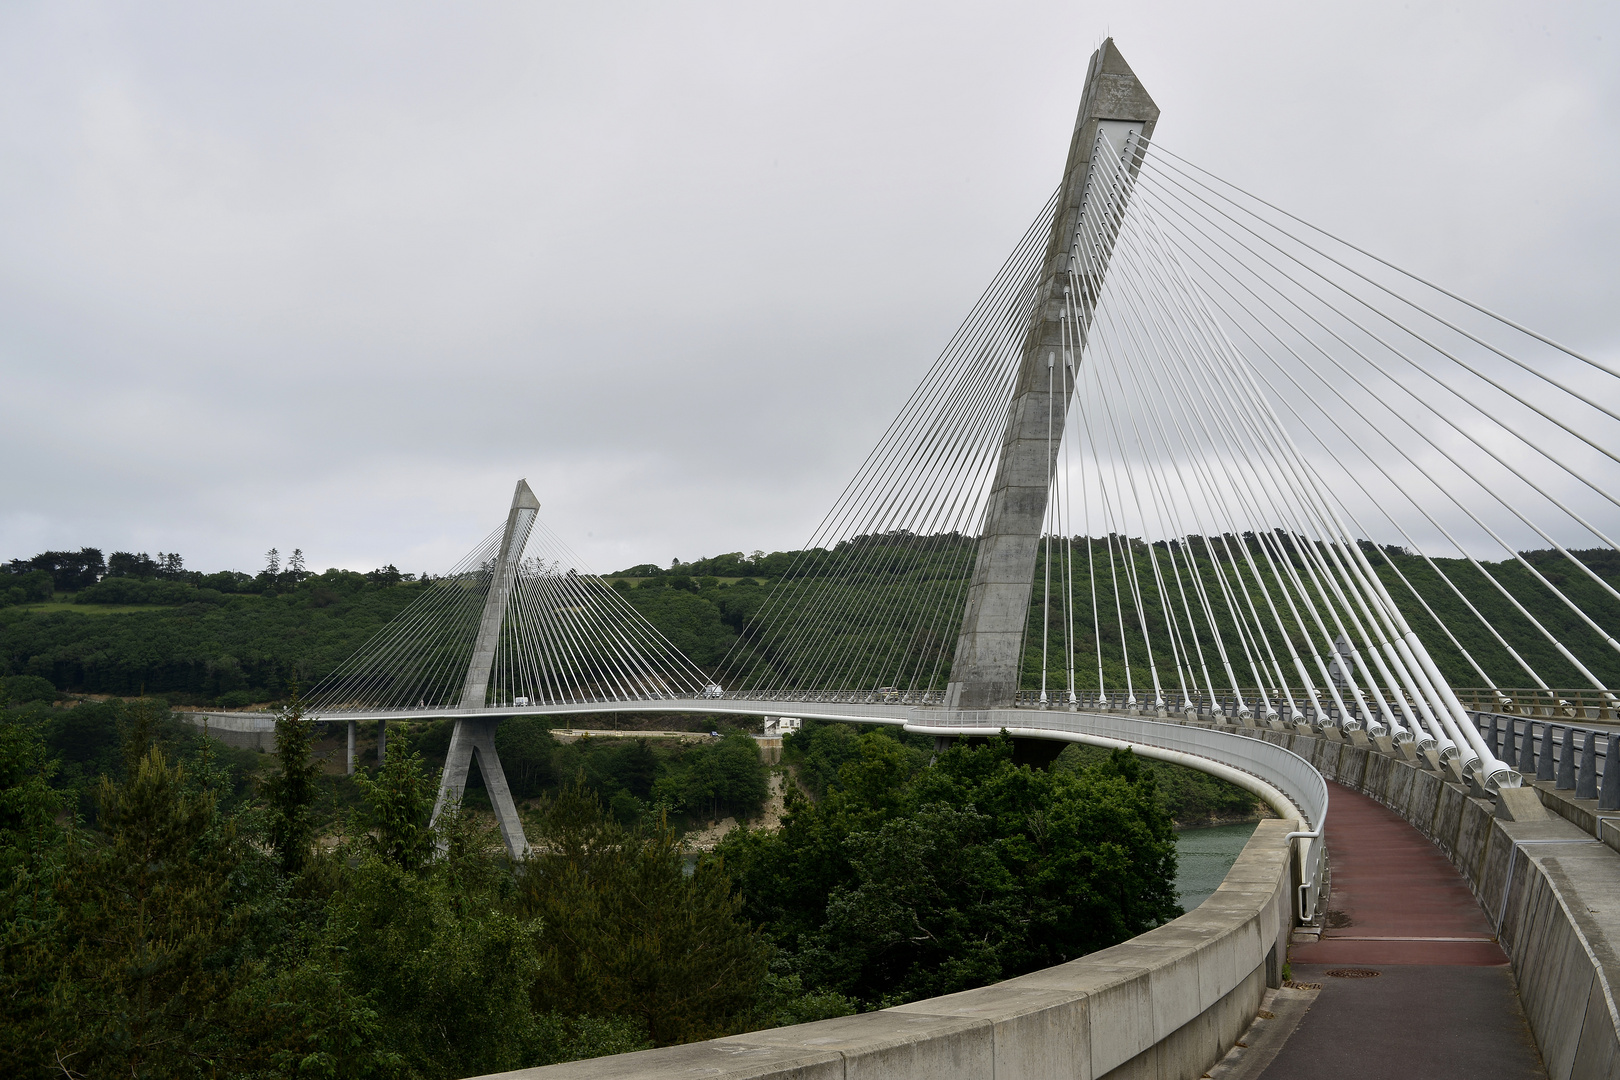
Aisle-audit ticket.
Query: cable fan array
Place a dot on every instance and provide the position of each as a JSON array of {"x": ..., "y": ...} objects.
[
  {"x": 875, "y": 599},
  {"x": 565, "y": 637},
  {"x": 1265, "y": 422}
]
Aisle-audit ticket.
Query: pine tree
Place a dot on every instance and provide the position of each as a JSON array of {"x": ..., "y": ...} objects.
[
  {"x": 399, "y": 807},
  {"x": 148, "y": 927},
  {"x": 291, "y": 793}
]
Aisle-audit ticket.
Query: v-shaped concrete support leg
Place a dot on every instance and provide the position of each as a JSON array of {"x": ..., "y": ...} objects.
[{"x": 471, "y": 736}]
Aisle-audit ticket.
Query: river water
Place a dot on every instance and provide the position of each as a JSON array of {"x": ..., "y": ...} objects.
[{"x": 1203, "y": 856}]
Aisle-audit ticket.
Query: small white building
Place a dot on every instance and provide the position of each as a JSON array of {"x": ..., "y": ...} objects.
[{"x": 781, "y": 725}]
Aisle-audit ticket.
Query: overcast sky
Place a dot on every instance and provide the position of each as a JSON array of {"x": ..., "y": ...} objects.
[{"x": 335, "y": 276}]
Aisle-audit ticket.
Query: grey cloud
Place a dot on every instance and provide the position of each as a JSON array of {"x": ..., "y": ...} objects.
[{"x": 333, "y": 278}]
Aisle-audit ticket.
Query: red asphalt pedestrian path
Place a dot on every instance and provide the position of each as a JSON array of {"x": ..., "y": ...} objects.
[
  {"x": 1443, "y": 1002},
  {"x": 1395, "y": 899}
]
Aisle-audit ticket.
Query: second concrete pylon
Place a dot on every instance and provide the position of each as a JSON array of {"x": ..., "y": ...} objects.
[{"x": 475, "y": 736}]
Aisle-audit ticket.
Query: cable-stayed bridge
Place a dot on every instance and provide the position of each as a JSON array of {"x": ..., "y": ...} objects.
[
  {"x": 1190, "y": 461},
  {"x": 1196, "y": 477}
]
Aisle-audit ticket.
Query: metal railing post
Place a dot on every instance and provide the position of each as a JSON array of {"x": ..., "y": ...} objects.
[
  {"x": 1609, "y": 796},
  {"x": 1544, "y": 763}
]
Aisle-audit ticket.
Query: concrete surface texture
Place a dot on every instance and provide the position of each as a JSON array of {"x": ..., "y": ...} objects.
[
  {"x": 989, "y": 649},
  {"x": 475, "y": 736},
  {"x": 1549, "y": 889},
  {"x": 1403, "y": 938},
  {"x": 1418, "y": 1020},
  {"x": 1281, "y": 1012}
]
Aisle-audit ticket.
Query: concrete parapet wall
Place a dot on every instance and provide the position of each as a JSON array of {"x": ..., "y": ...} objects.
[
  {"x": 1166, "y": 1005},
  {"x": 254, "y": 731},
  {"x": 1550, "y": 888}
]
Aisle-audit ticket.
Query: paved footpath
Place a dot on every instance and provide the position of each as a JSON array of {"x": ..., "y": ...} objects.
[{"x": 1443, "y": 1002}]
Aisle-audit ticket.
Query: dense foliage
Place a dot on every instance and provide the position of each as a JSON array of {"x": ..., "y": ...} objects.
[
  {"x": 889, "y": 607},
  {"x": 194, "y": 931},
  {"x": 222, "y": 913},
  {"x": 208, "y": 646},
  {"x": 905, "y": 880}
]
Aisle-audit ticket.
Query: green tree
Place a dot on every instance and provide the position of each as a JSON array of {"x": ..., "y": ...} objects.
[
  {"x": 292, "y": 791},
  {"x": 397, "y": 821},
  {"x": 903, "y": 882},
  {"x": 308, "y": 1021},
  {"x": 447, "y": 970},
  {"x": 628, "y": 933},
  {"x": 149, "y": 933},
  {"x": 716, "y": 778}
]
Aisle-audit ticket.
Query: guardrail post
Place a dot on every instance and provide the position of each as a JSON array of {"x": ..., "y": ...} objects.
[
  {"x": 1544, "y": 763},
  {"x": 1566, "y": 761},
  {"x": 1586, "y": 781},
  {"x": 1527, "y": 749},
  {"x": 1609, "y": 797}
]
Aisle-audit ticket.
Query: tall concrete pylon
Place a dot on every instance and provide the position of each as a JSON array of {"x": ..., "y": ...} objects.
[
  {"x": 476, "y": 735},
  {"x": 989, "y": 651}
]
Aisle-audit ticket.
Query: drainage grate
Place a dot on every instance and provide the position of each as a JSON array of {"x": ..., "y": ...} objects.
[{"x": 1354, "y": 973}]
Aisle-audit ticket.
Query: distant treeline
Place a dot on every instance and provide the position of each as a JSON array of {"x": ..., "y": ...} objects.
[{"x": 232, "y": 638}]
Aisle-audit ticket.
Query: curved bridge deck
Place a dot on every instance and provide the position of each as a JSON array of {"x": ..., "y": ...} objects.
[{"x": 1398, "y": 908}]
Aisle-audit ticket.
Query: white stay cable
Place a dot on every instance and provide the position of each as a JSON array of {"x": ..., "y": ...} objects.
[
  {"x": 1504, "y": 320},
  {"x": 1453, "y": 717},
  {"x": 1451, "y": 496},
  {"x": 1430, "y": 718},
  {"x": 1416, "y": 503}
]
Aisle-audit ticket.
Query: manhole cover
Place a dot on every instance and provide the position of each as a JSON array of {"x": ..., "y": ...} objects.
[{"x": 1354, "y": 973}]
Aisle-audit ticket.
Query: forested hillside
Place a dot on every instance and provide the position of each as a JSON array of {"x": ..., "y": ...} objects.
[{"x": 133, "y": 625}]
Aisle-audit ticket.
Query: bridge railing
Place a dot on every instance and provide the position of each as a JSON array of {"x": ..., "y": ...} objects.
[
  {"x": 1573, "y": 757},
  {"x": 1201, "y": 705},
  {"x": 1601, "y": 705}
]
